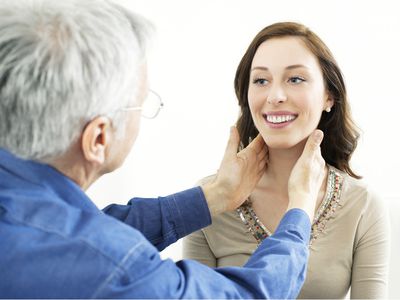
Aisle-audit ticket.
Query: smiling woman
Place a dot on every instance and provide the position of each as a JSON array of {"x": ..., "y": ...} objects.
[
  {"x": 271, "y": 88},
  {"x": 288, "y": 84}
]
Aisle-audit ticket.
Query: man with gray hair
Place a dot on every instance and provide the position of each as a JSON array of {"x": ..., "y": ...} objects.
[{"x": 72, "y": 88}]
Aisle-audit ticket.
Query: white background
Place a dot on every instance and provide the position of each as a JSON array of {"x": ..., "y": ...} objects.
[{"x": 194, "y": 56}]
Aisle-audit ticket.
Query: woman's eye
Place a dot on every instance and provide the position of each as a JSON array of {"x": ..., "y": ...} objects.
[
  {"x": 296, "y": 80},
  {"x": 260, "y": 81}
]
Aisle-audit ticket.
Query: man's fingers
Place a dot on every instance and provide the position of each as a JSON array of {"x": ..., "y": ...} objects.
[
  {"x": 264, "y": 153},
  {"x": 257, "y": 144},
  {"x": 257, "y": 147},
  {"x": 262, "y": 165}
]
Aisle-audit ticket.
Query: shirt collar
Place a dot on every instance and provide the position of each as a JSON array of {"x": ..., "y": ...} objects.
[{"x": 36, "y": 174}]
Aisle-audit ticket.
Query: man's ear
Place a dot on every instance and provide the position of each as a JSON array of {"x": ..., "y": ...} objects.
[{"x": 95, "y": 139}]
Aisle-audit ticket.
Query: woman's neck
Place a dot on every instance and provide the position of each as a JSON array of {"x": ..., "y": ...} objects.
[{"x": 281, "y": 163}]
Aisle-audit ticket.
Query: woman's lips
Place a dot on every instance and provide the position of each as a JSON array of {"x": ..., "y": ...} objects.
[{"x": 279, "y": 119}]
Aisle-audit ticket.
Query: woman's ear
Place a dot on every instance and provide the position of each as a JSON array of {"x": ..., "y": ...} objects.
[
  {"x": 329, "y": 103},
  {"x": 95, "y": 140}
]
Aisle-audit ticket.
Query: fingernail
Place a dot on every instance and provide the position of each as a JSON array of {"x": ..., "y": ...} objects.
[{"x": 318, "y": 136}]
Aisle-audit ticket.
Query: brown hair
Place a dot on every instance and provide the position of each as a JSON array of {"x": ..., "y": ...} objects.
[{"x": 340, "y": 132}]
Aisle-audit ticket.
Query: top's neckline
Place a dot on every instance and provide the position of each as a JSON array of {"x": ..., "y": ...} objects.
[{"x": 324, "y": 212}]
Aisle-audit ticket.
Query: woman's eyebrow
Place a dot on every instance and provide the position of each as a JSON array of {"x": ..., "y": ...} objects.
[
  {"x": 259, "y": 68},
  {"x": 296, "y": 67},
  {"x": 262, "y": 68}
]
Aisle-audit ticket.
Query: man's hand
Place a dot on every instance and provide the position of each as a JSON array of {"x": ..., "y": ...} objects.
[
  {"x": 237, "y": 175},
  {"x": 307, "y": 175}
]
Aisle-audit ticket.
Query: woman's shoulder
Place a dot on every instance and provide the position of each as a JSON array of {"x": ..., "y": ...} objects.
[{"x": 358, "y": 194}]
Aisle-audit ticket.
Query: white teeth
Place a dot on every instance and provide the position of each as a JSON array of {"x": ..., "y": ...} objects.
[{"x": 280, "y": 119}]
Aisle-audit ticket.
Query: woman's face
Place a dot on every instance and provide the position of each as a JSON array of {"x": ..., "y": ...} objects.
[{"x": 286, "y": 92}]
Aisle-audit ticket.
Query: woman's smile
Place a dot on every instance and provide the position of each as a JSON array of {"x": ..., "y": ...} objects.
[{"x": 279, "y": 119}]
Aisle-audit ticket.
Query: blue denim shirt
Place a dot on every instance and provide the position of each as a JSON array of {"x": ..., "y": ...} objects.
[{"x": 55, "y": 243}]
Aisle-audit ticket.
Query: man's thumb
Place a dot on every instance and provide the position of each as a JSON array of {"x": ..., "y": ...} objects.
[
  {"x": 314, "y": 140},
  {"x": 233, "y": 143}
]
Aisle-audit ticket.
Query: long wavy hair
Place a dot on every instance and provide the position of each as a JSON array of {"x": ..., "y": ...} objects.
[{"x": 340, "y": 132}]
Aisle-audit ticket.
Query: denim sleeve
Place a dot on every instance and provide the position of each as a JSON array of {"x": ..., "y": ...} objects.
[
  {"x": 164, "y": 220},
  {"x": 276, "y": 270}
]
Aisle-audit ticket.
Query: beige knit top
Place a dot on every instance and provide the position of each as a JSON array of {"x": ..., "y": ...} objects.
[{"x": 349, "y": 243}]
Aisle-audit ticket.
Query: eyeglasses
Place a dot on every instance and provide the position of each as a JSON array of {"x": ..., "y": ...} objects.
[{"x": 150, "y": 107}]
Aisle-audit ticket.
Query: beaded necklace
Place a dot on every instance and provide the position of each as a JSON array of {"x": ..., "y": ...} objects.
[{"x": 324, "y": 213}]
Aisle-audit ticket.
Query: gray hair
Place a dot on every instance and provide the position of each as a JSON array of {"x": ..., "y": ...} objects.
[{"x": 62, "y": 63}]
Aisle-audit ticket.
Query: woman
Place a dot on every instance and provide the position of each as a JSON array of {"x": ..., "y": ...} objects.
[{"x": 288, "y": 84}]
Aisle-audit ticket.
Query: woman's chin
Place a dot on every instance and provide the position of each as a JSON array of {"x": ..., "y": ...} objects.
[
  {"x": 282, "y": 144},
  {"x": 284, "y": 141}
]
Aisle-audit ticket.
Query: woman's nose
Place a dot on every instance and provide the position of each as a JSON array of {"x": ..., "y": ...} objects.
[{"x": 276, "y": 95}]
